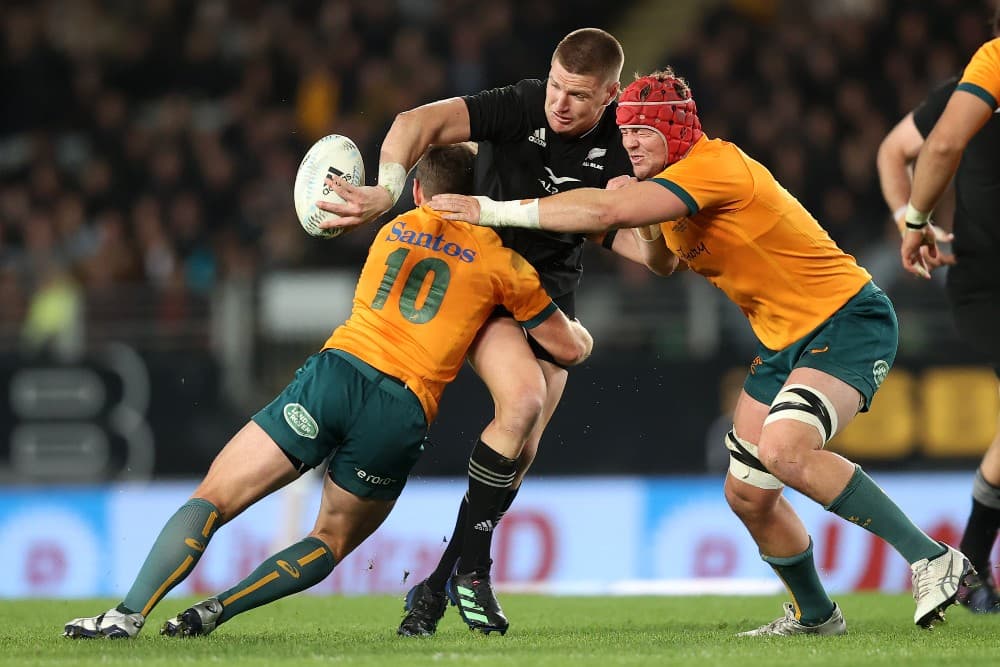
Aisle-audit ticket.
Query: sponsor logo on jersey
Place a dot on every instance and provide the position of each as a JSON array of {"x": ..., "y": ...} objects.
[
  {"x": 595, "y": 154},
  {"x": 300, "y": 421},
  {"x": 538, "y": 137},
  {"x": 693, "y": 253},
  {"x": 400, "y": 234},
  {"x": 552, "y": 185}
]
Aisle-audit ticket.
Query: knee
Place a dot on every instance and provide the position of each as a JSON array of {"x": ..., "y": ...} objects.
[
  {"x": 750, "y": 507},
  {"x": 519, "y": 411},
  {"x": 782, "y": 458}
]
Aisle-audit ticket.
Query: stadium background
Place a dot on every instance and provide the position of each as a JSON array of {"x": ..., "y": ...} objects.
[{"x": 155, "y": 288}]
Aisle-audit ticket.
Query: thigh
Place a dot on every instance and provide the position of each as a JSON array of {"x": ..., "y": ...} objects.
[
  {"x": 856, "y": 345},
  {"x": 384, "y": 439},
  {"x": 503, "y": 360},
  {"x": 249, "y": 467},
  {"x": 345, "y": 520},
  {"x": 308, "y": 417}
]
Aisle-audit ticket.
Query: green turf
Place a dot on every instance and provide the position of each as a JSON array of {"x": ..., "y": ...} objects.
[{"x": 575, "y": 631}]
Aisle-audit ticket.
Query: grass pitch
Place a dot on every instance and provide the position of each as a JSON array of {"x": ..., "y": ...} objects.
[{"x": 578, "y": 631}]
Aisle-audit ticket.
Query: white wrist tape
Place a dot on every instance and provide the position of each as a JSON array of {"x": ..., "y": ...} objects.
[
  {"x": 520, "y": 213},
  {"x": 392, "y": 177},
  {"x": 915, "y": 219},
  {"x": 898, "y": 213}
]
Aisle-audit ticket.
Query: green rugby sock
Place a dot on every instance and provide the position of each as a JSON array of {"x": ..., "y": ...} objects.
[
  {"x": 174, "y": 554},
  {"x": 864, "y": 503},
  {"x": 291, "y": 570},
  {"x": 812, "y": 604}
]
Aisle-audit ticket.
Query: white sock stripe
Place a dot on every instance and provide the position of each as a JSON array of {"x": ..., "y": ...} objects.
[
  {"x": 483, "y": 471},
  {"x": 489, "y": 482}
]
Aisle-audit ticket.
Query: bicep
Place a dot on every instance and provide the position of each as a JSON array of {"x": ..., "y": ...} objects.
[
  {"x": 646, "y": 203},
  {"x": 963, "y": 117},
  {"x": 442, "y": 122}
]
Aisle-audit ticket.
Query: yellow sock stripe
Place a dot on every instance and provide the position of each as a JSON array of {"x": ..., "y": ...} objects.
[
  {"x": 252, "y": 587},
  {"x": 310, "y": 557},
  {"x": 161, "y": 591},
  {"x": 791, "y": 594},
  {"x": 209, "y": 523}
]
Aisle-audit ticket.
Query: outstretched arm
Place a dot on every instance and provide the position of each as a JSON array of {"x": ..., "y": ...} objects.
[
  {"x": 411, "y": 133},
  {"x": 583, "y": 211}
]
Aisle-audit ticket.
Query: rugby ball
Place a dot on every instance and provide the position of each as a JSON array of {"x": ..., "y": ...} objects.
[{"x": 333, "y": 155}]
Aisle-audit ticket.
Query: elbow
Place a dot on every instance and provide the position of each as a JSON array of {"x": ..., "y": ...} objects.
[{"x": 943, "y": 147}]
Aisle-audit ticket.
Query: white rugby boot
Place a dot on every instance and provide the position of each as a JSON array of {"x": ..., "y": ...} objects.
[
  {"x": 112, "y": 624},
  {"x": 935, "y": 584},
  {"x": 787, "y": 625},
  {"x": 195, "y": 621}
]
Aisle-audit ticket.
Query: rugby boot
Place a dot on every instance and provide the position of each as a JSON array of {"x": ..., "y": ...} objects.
[
  {"x": 936, "y": 582},
  {"x": 112, "y": 624},
  {"x": 477, "y": 604},
  {"x": 424, "y": 608},
  {"x": 977, "y": 594},
  {"x": 787, "y": 625},
  {"x": 195, "y": 621}
]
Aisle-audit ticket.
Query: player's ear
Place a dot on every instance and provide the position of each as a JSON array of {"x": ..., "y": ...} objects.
[
  {"x": 418, "y": 193},
  {"x": 612, "y": 92}
]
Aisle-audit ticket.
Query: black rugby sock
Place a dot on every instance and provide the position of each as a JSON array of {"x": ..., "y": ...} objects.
[{"x": 490, "y": 477}]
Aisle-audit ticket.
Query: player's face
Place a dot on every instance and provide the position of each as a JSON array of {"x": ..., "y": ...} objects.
[
  {"x": 575, "y": 102},
  {"x": 646, "y": 151}
]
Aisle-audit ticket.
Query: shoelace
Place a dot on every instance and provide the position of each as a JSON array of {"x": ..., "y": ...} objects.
[{"x": 921, "y": 584}]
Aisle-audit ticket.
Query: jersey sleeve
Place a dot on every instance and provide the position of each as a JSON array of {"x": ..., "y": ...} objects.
[
  {"x": 501, "y": 114},
  {"x": 982, "y": 75},
  {"x": 706, "y": 180},
  {"x": 521, "y": 290},
  {"x": 926, "y": 115}
]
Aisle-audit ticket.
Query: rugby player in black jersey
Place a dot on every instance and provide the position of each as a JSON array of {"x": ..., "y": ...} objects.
[
  {"x": 535, "y": 138},
  {"x": 956, "y": 131}
]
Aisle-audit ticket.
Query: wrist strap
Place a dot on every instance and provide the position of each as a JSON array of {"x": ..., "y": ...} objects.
[
  {"x": 392, "y": 177},
  {"x": 916, "y": 220},
  {"x": 519, "y": 213}
]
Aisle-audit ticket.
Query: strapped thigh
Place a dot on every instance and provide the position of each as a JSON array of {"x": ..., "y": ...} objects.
[{"x": 807, "y": 405}]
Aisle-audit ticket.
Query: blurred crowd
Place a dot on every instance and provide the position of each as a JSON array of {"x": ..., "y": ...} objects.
[{"x": 155, "y": 143}]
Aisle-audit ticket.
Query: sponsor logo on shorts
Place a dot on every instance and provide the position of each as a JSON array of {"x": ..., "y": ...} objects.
[
  {"x": 300, "y": 421},
  {"x": 820, "y": 350},
  {"x": 879, "y": 371},
  {"x": 757, "y": 361},
  {"x": 374, "y": 480}
]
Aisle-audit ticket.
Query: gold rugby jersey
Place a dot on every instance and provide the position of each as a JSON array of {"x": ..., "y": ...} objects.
[
  {"x": 753, "y": 240},
  {"x": 427, "y": 287}
]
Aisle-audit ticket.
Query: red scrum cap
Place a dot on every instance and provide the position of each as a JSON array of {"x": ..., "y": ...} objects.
[{"x": 662, "y": 102}]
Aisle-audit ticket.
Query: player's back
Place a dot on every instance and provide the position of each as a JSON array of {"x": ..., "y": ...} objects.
[{"x": 427, "y": 287}]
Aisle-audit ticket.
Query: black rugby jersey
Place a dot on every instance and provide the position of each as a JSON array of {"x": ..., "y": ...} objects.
[
  {"x": 977, "y": 194},
  {"x": 520, "y": 157}
]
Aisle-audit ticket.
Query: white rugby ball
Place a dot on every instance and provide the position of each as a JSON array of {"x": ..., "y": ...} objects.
[{"x": 333, "y": 155}]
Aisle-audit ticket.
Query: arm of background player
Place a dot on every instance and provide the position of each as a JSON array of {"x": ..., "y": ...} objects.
[
  {"x": 442, "y": 122},
  {"x": 962, "y": 118},
  {"x": 895, "y": 154},
  {"x": 565, "y": 339}
]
